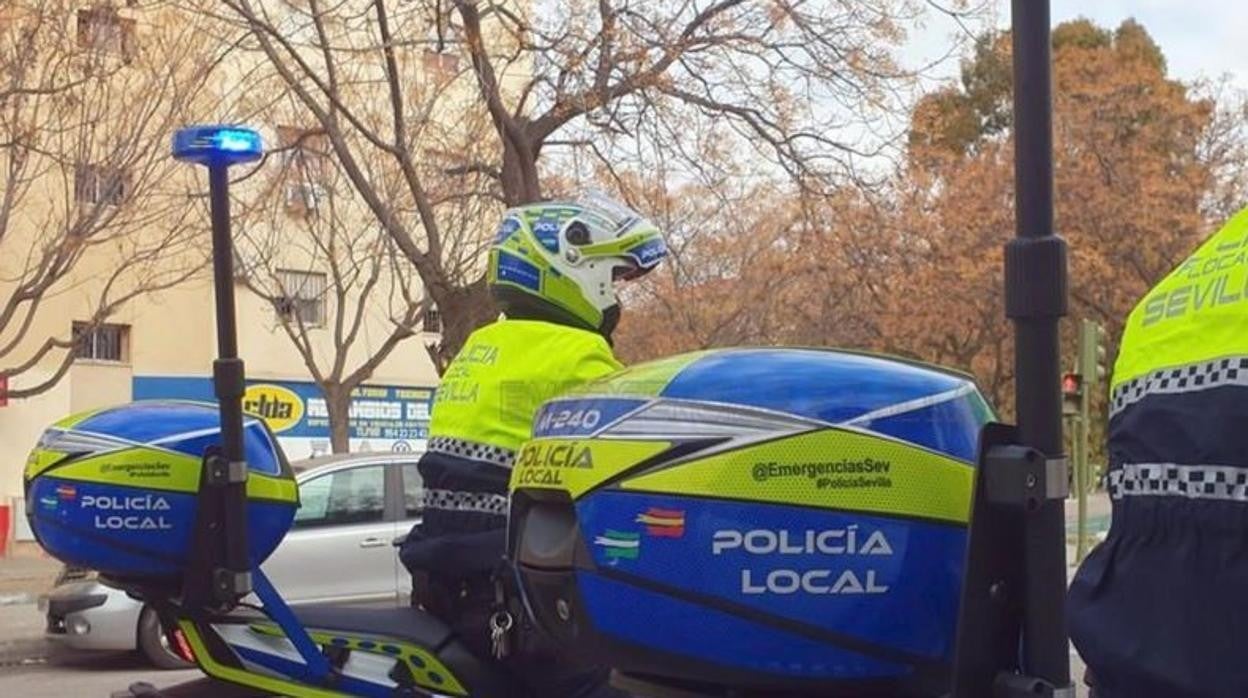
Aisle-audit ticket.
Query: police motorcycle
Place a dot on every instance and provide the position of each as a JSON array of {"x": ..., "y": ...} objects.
[{"x": 741, "y": 522}]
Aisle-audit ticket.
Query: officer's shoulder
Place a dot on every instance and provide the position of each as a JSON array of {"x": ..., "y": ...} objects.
[{"x": 549, "y": 330}]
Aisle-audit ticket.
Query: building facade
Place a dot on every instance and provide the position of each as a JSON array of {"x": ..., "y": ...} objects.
[{"x": 160, "y": 343}]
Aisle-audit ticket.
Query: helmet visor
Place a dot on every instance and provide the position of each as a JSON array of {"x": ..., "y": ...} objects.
[
  {"x": 628, "y": 270},
  {"x": 612, "y": 215}
]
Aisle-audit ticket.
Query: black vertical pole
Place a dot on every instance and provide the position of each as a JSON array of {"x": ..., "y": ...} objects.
[
  {"x": 227, "y": 373},
  {"x": 1035, "y": 281}
]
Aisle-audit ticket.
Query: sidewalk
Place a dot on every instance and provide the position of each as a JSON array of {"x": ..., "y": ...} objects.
[
  {"x": 25, "y": 574},
  {"x": 1098, "y": 523}
]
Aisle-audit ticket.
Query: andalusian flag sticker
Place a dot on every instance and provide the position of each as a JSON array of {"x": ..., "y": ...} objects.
[
  {"x": 663, "y": 523},
  {"x": 618, "y": 545}
]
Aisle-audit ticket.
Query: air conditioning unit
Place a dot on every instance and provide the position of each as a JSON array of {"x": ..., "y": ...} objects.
[{"x": 302, "y": 196}]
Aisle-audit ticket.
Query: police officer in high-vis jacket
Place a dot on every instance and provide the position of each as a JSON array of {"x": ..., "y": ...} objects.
[
  {"x": 1160, "y": 609},
  {"x": 552, "y": 268}
]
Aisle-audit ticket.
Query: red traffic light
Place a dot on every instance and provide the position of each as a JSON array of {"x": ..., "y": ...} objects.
[{"x": 1071, "y": 383}]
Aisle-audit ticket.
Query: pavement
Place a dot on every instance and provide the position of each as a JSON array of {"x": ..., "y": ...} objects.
[
  {"x": 26, "y": 574},
  {"x": 33, "y": 667},
  {"x": 23, "y": 576}
]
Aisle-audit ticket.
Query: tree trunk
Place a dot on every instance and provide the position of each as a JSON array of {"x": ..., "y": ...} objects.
[
  {"x": 463, "y": 309},
  {"x": 520, "y": 181},
  {"x": 338, "y": 405}
]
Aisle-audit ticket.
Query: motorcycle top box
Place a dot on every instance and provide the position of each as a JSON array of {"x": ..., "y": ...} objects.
[
  {"x": 116, "y": 490},
  {"x": 776, "y": 520}
]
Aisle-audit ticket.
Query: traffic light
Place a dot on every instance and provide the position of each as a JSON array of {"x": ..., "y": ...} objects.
[
  {"x": 1072, "y": 393},
  {"x": 1092, "y": 365},
  {"x": 1093, "y": 353}
]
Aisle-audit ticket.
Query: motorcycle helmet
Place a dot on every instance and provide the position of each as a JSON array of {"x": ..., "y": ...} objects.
[{"x": 559, "y": 259}]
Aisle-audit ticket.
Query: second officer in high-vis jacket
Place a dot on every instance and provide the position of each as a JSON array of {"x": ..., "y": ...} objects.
[
  {"x": 1158, "y": 610},
  {"x": 552, "y": 268}
]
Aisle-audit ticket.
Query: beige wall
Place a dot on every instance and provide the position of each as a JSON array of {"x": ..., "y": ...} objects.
[
  {"x": 96, "y": 384},
  {"x": 172, "y": 332},
  {"x": 21, "y": 422}
]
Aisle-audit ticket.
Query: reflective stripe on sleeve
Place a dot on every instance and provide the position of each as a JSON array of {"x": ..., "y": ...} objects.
[
  {"x": 478, "y": 502},
  {"x": 1222, "y": 482},
  {"x": 1231, "y": 370},
  {"x": 462, "y": 448}
]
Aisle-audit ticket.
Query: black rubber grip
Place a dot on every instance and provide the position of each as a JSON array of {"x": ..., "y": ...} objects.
[{"x": 1036, "y": 277}]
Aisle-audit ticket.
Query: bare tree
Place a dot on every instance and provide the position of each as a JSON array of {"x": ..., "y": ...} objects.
[
  {"x": 89, "y": 96},
  {"x": 316, "y": 256},
  {"x": 810, "y": 88}
]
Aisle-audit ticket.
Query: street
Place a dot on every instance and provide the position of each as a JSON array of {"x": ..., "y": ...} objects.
[{"x": 33, "y": 667}]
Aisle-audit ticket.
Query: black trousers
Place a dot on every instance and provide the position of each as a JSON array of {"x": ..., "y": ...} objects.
[
  {"x": 453, "y": 555},
  {"x": 1160, "y": 612},
  {"x": 466, "y": 605}
]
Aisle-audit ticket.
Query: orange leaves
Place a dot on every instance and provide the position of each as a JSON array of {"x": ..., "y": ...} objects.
[{"x": 1142, "y": 162}]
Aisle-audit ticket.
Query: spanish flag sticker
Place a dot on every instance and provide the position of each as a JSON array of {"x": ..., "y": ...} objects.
[{"x": 663, "y": 523}]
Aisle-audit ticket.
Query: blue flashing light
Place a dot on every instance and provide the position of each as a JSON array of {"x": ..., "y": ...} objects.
[{"x": 217, "y": 145}]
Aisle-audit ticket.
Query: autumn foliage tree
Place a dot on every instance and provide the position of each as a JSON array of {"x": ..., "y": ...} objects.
[
  {"x": 724, "y": 281},
  {"x": 1141, "y": 161},
  {"x": 1146, "y": 166}
]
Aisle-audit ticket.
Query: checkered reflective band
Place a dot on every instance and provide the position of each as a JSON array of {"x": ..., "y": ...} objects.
[
  {"x": 462, "y": 448},
  {"x": 1230, "y": 370},
  {"x": 1223, "y": 482},
  {"x": 479, "y": 502}
]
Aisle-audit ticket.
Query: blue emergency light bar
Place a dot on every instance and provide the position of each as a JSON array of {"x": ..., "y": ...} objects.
[{"x": 217, "y": 145}]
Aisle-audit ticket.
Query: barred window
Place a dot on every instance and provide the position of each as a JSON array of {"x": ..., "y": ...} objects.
[
  {"x": 304, "y": 158},
  {"x": 101, "y": 343},
  {"x": 102, "y": 29},
  {"x": 301, "y": 297},
  {"x": 441, "y": 66},
  {"x": 97, "y": 184},
  {"x": 432, "y": 320}
]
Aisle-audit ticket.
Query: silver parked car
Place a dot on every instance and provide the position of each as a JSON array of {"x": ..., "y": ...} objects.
[{"x": 352, "y": 507}]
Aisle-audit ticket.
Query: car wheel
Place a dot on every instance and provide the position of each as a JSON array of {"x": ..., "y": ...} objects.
[{"x": 153, "y": 644}]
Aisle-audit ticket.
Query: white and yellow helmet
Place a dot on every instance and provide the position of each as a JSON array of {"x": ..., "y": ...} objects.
[{"x": 562, "y": 257}]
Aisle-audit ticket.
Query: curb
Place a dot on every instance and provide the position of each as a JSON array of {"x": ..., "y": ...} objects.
[{"x": 16, "y": 599}]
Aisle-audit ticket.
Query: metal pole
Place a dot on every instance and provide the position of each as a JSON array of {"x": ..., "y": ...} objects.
[
  {"x": 1081, "y": 483},
  {"x": 1036, "y": 301},
  {"x": 227, "y": 371},
  {"x": 1088, "y": 335}
]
